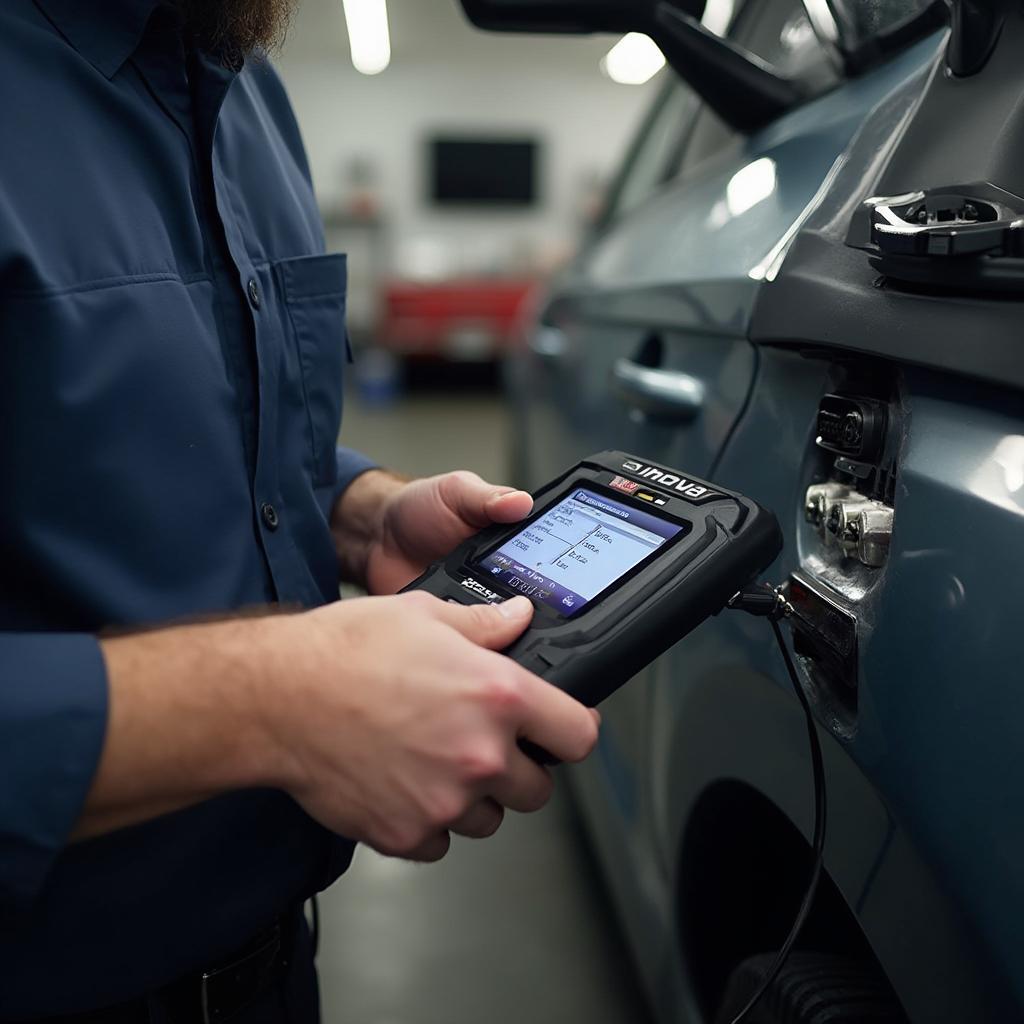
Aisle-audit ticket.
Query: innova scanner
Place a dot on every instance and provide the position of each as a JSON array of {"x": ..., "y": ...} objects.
[{"x": 621, "y": 558}]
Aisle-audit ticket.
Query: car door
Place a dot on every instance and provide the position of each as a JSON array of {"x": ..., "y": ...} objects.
[
  {"x": 643, "y": 345},
  {"x": 642, "y": 348}
]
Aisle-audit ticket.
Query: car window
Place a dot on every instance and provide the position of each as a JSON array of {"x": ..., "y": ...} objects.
[
  {"x": 680, "y": 134},
  {"x": 872, "y": 17},
  {"x": 677, "y": 127},
  {"x": 660, "y": 140},
  {"x": 779, "y": 32}
]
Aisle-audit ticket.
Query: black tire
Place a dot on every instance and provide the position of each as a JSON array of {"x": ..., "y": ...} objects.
[{"x": 811, "y": 988}]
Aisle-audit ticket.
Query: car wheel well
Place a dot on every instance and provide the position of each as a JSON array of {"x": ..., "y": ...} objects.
[{"x": 743, "y": 869}]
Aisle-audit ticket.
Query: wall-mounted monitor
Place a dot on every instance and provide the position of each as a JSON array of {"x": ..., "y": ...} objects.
[{"x": 480, "y": 171}]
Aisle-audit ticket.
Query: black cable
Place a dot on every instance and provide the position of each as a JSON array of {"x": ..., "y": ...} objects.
[{"x": 818, "y": 840}]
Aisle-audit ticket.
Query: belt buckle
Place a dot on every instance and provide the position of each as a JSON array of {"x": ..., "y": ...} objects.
[{"x": 226, "y": 990}]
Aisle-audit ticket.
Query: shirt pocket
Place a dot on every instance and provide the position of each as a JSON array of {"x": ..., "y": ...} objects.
[{"x": 314, "y": 289}]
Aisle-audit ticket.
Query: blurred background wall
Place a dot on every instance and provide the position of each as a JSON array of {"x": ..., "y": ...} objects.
[{"x": 369, "y": 143}]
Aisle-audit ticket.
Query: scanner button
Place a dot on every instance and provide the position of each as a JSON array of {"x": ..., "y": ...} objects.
[
  {"x": 554, "y": 656},
  {"x": 535, "y": 663}
]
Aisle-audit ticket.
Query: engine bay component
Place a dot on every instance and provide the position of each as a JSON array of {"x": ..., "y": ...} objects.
[
  {"x": 825, "y": 633},
  {"x": 965, "y": 237},
  {"x": 854, "y": 427},
  {"x": 818, "y": 499},
  {"x": 861, "y": 527}
]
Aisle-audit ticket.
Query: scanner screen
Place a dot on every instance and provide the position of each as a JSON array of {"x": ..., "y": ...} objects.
[{"x": 576, "y": 549}]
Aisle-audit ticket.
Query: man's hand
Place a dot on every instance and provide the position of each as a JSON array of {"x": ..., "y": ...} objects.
[
  {"x": 400, "y": 722},
  {"x": 389, "y": 719},
  {"x": 387, "y": 530}
]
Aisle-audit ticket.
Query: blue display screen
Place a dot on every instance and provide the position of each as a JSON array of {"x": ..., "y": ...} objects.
[{"x": 577, "y": 549}]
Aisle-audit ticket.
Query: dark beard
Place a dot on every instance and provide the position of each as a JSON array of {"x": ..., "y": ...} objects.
[{"x": 236, "y": 28}]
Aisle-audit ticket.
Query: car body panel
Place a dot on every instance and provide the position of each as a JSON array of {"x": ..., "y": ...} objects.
[
  {"x": 925, "y": 837},
  {"x": 693, "y": 256},
  {"x": 942, "y": 697},
  {"x": 911, "y": 837},
  {"x": 963, "y": 131}
]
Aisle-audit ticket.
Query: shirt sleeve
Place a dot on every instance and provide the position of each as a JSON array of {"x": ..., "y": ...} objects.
[
  {"x": 53, "y": 717},
  {"x": 350, "y": 465}
]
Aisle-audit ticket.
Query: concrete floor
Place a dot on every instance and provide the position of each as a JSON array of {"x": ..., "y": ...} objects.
[{"x": 513, "y": 928}]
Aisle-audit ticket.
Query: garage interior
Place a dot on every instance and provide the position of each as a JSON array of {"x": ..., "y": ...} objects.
[
  {"x": 734, "y": 287},
  {"x": 518, "y": 927}
]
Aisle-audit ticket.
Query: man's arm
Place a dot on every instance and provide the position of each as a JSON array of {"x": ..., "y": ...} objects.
[
  {"x": 53, "y": 712},
  {"x": 390, "y": 720},
  {"x": 183, "y": 722},
  {"x": 357, "y": 520}
]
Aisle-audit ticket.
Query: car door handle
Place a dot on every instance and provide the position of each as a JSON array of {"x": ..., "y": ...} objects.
[{"x": 665, "y": 394}]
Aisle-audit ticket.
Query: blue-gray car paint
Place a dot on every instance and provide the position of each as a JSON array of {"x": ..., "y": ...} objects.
[{"x": 925, "y": 842}]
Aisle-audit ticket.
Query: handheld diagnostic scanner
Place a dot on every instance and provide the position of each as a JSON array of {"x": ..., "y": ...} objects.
[{"x": 621, "y": 558}]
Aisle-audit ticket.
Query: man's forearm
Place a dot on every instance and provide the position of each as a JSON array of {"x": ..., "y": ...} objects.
[
  {"x": 356, "y": 520},
  {"x": 186, "y": 721},
  {"x": 389, "y": 720},
  {"x": 187, "y": 706}
]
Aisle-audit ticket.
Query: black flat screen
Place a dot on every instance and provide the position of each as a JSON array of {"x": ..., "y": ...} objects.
[{"x": 499, "y": 172}]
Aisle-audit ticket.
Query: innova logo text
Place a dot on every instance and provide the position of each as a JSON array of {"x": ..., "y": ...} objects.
[{"x": 665, "y": 479}]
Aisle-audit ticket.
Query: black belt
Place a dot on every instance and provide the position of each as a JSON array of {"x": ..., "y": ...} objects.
[{"x": 213, "y": 995}]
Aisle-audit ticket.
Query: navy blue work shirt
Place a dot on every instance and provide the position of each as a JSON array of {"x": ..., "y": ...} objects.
[{"x": 171, "y": 354}]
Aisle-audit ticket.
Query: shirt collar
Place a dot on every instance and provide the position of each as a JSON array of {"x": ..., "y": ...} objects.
[{"x": 105, "y": 34}]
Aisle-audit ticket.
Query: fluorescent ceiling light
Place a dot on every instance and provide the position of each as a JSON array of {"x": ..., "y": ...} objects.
[
  {"x": 636, "y": 59},
  {"x": 368, "y": 35},
  {"x": 633, "y": 60}
]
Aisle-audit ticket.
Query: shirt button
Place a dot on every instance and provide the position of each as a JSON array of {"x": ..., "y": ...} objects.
[
  {"x": 254, "y": 293},
  {"x": 269, "y": 514}
]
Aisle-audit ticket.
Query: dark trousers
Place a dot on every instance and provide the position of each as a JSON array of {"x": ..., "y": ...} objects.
[{"x": 286, "y": 994}]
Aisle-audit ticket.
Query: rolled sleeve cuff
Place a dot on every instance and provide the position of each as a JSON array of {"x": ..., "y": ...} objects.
[
  {"x": 350, "y": 465},
  {"x": 53, "y": 718}
]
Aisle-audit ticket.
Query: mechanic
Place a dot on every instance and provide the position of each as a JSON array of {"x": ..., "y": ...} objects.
[{"x": 171, "y": 353}]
